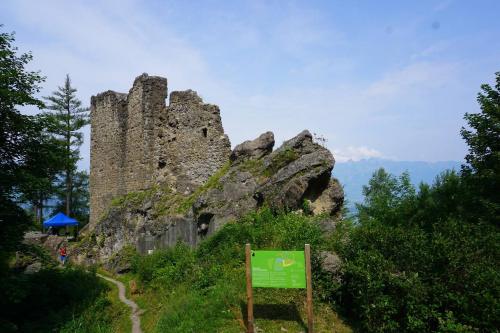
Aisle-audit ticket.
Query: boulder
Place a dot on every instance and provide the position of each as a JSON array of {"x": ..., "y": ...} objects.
[
  {"x": 295, "y": 176},
  {"x": 332, "y": 264},
  {"x": 330, "y": 261},
  {"x": 300, "y": 169},
  {"x": 33, "y": 268},
  {"x": 34, "y": 238},
  {"x": 257, "y": 148},
  {"x": 297, "y": 171},
  {"x": 53, "y": 243},
  {"x": 330, "y": 201}
]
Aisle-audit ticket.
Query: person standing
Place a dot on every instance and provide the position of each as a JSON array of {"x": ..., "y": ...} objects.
[{"x": 62, "y": 254}]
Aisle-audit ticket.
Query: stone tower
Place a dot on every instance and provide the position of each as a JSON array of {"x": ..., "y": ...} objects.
[{"x": 137, "y": 141}]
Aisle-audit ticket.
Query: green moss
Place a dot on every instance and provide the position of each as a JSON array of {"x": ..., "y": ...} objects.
[
  {"x": 257, "y": 169},
  {"x": 254, "y": 166},
  {"x": 306, "y": 207},
  {"x": 100, "y": 240},
  {"x": 211, "y": 183},
  {"x": 124, "y": 256},
  {"x": 86, "y": 241},
  {"x": 174, "y": 203},
  {"x": 133, "y": 199},
  {"x": 167, "y": 202},
  {"x": 281, "y": 159}
]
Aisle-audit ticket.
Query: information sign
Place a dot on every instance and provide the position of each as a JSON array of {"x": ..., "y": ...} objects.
[{"x": 278, "y": 269}]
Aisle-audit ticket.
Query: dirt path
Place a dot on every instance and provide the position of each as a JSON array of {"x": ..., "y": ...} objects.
[{"x": 134, "y": 316}]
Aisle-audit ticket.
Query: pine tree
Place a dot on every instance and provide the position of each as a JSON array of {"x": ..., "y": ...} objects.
[
  {"x": 79, "y": 198},
  {"x": 68, "y": 117}
]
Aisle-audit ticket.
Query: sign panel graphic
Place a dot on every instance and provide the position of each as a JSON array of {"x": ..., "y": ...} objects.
[{"x": 278, "y": 269}]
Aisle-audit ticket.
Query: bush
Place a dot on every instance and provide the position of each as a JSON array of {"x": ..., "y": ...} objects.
[
  {"x": 226, "y": 248},
  {"x": 169, "y": 265},
  {"x": 46, "y": 300},
  {"x": 202, "y": 288},
  {"x": 422, "y": 264}
]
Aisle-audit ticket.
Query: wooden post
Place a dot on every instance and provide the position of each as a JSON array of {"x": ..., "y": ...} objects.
[
  {"x": 310, "y": 328},
  {"x": 248, "y": 259}
]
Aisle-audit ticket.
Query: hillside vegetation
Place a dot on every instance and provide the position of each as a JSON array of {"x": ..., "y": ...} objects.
[
  {"x": 203, "y": 289},
  {"x": 355, "y": 174},
  {"x": 423, "y": 259},
  {"x": 414, "y": 260},
  {"x": 59, "y": 300}
]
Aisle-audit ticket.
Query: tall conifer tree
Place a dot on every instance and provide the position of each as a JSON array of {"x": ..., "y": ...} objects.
[{"x": 68, "y": 118}]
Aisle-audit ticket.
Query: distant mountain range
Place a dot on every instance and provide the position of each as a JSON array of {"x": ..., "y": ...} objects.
[{"x": 354, "y": 174}]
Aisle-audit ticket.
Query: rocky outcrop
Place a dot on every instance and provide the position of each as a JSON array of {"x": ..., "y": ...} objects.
[
  {"x": 257, "y": 148},
  {"x": 162, "y": 173},
  {"x": 297, "y": 174},
  {"x": 294, "y": 177},
  {"x": 38, "y": 251}
]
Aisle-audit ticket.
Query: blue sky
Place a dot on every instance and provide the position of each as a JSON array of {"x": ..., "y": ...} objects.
[{"x": 387, "y": 79}]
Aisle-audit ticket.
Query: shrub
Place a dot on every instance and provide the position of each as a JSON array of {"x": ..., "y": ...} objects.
[
  {"x": 46, "y": 300},
  {"x": 202, "y": 289},
  {"x": 169, "y": 265},
  {"x": 417, "y": 262}
]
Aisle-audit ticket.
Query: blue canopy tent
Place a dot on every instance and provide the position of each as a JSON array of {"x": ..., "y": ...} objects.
[{"x": 60, "y": 220}]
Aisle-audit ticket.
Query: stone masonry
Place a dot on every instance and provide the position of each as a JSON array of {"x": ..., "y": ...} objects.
[{"x": 137, "y": 142}]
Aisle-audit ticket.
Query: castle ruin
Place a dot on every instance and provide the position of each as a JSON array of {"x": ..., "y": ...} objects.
[{"x": 138, "y": 142}]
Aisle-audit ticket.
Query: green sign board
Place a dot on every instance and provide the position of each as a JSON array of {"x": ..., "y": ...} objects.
[{"x": 278, "y": 269}]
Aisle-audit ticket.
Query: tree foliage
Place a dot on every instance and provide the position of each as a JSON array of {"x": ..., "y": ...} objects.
[
  {"x": 483, "y": 160},
  {"x": 22, "y": 144},
  {"x": 68, "y": 117},
  {"x": 428, "y": 260},
  {"x": 19, "y": 134},
  {"x": 79, "y": 196},
  {"x": 419, "y": 265}
]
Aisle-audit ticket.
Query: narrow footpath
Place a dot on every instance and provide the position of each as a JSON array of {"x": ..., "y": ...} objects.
[{"x": 134, "y": 316}]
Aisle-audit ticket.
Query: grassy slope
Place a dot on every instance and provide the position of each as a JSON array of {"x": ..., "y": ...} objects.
[
  {"x": 224, "y": 310},
  {"x": 203, "y": 290},
  {"x": 106, "y": 315},
  {"x": 56, "y": 299}
]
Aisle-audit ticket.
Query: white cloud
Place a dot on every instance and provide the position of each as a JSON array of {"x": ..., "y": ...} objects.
[
  {"x": 443, "y": 5},
  {"x": 346, "y": 114},
  {"x": 420, "y": 75},
  {"x": 431, "y": 50},
  {"x": 105, "y": 45},
  {"x": 355, "y": 153}
]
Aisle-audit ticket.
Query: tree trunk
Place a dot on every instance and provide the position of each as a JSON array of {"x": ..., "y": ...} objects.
[
  {"x": 35, "y": 211},
  {"x": 38, "y": 210},
  {"x": 68, "y": 193},
  {"x": 68, "y": 165},
  {"x": 41, "y": 210}
]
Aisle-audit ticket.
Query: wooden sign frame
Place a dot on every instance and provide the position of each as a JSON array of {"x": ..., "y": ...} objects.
[{"x": 309, "y": 301}]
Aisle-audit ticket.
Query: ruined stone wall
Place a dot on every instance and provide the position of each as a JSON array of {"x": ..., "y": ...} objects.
[
  {"x": 145, "y": 103},
  {"x": 195, "y": 145},
  {"x": 137, "y": 142},
  {"x": 107, "y": 149}
]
